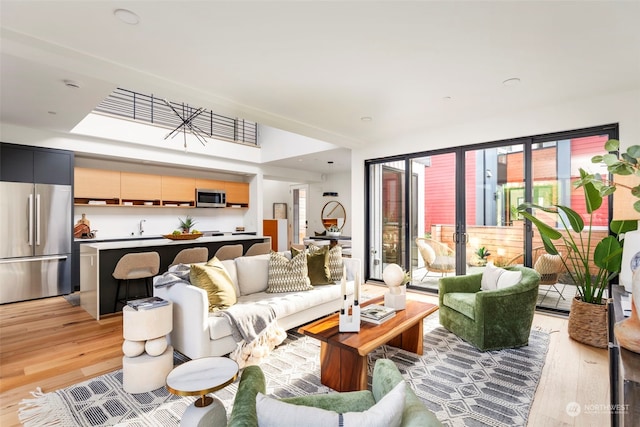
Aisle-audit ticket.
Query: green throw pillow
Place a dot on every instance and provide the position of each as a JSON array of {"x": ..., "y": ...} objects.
[
  {"x": 318, "y": 266},
  {"x": 214, "y": 279},
  {"x": 336, "y": 265}
]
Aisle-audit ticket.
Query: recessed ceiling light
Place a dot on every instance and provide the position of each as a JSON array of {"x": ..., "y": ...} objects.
[
  {"x": 127, "y": 16},
  {"x": 446, "y": 98},
  {"x": 366, "y": 118},
  {"x": 511, "y": 82},
  {"x": 53, "y": 113},
  {"x": 330, "y": 162}
]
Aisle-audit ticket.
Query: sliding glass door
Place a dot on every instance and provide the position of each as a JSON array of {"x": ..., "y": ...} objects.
[
  {"x": 388, "y": 218},
  {"x": 433, "y": 213},
  {"x": 450, "y": 212}
]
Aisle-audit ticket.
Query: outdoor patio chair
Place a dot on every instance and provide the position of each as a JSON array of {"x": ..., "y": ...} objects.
[
  {"x": 437, "y": 256},
  {"x": 550, "y": 267}
]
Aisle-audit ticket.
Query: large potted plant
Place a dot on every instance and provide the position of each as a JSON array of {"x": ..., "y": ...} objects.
[{"x": 590, "y": 264}]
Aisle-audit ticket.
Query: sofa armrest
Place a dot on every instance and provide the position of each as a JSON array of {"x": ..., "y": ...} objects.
[
  {"x": 469, "y": 284},
  {"x": 244, "y": 412},
  {"x": 190, "y": 333},
  {"x": 385, "y": 377}
]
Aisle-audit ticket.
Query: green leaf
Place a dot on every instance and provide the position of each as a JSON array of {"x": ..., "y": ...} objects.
[
  {"x": 620, "y": 169},
  {"x": 612, "y": 145},
  {"x": 596, "y": 159},
  {"x": 544, "y": 229},
  {"x": 629, "y": 159},
  {"x": 636, "y": 206},
  {"x": 608, "y": 254},
  {"x": 606, "y": 190},
  {"x": 548, "y": 245},
  {"x": 575, "y": 220},
  {"x": 592, "y": 197},
  {"x": 634, "y": 151},
  {"x": 620, "y": 226},
  {"x": 635, "y": 191},
  {"x": 609, "y": 159}
]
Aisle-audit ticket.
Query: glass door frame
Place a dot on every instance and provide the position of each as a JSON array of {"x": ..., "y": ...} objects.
[{"x": 460, "y": 196}]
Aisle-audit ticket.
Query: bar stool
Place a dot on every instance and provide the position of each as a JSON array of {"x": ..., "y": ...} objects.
[
  {"x": 229, "y": 252},
  {"x": 142, "y": 265},
  {"x": 191, "y": 256},
  {"x": 259, "y": 249}
]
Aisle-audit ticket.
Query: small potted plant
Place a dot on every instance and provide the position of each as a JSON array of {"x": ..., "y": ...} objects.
[
  {"x": 333, "y": 231},
  {"x": 482, "y": 254},
  {"x": 186, "y": 224}
]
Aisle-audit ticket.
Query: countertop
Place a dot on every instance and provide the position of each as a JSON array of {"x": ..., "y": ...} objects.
[
  {"x": 157, "y": 236},
  {"x": 160, "y": 241}
]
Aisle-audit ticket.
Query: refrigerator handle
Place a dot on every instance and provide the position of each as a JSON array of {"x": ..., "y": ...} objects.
[
  {"x": 30, "y": 236},
  {"x": 38, "y": 219}
]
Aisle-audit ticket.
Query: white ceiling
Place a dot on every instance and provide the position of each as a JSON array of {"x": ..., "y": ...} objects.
[{"x": 316, "y": 67}]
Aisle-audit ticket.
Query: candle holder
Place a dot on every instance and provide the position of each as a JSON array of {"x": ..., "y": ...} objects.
[{"x": 350, "y": 311}]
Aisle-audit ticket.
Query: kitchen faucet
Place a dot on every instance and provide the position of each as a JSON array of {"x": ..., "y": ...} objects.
[{"x": 140, "y": 228}]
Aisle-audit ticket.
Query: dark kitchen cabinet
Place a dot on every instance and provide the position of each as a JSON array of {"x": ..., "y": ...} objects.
[{"x": 19, "y": 163}]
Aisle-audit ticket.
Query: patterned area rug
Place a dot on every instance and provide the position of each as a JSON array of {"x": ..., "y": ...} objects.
[{"x": 462, "y": 386}]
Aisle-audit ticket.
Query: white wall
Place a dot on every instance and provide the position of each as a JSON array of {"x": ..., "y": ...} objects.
[
  {"x": 275, "y": 192},
  {"x": 622, "y": 108}
]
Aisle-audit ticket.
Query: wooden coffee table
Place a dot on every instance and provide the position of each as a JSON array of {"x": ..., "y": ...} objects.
[{"x": 343, "y": 355}]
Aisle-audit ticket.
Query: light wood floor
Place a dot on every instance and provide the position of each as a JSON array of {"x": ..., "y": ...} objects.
[{"x": 50, "y": 344}]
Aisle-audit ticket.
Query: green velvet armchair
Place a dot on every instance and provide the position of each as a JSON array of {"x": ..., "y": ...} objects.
[
  {"x": 493, "y": 319},
  {"x": 385, "y": 377}
]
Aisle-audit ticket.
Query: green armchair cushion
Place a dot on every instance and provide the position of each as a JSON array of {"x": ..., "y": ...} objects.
[
  {"x": 501, "y": 318},
  {"x": 385, "y": 377},
  {"x": 462, "y": 302}
]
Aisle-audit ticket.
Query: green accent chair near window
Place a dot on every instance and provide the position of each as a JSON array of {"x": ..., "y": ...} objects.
[
  {"x": 491, "y": 319},
  {"x": 385, "y": 377}
]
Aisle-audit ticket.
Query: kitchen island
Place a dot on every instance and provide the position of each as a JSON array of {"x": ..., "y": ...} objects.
[{"x": 98, "y": 260}]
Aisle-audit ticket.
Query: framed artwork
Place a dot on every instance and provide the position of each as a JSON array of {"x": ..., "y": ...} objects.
[{"x": 279, "y": 211}]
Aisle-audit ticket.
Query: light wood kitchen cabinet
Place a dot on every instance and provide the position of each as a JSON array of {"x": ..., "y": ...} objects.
[
  {"x": 177, "y": 189},
  {"x": 237, "y": 193},
  {"x": 210, "y": 184},
  {"x": 96, "y": 184},
  {"x": 140, "y": 187}
]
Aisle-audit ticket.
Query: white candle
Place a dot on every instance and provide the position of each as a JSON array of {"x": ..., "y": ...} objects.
[{"x": 343, "y": 284}]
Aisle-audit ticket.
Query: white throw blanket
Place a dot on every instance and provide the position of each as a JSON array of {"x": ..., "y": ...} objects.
[{"x": 255, "y": 329}]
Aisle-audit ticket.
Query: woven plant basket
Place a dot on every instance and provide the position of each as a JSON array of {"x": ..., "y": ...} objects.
[{"x": 588, "y": 323}]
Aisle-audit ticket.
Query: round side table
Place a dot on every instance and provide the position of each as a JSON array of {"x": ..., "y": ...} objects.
[{"x": 197, "y": 378}]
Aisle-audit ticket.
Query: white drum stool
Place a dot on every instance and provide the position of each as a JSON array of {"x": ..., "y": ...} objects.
[
  {"x": 145, "y": 373},
  {"x": 146, "y": 330}
]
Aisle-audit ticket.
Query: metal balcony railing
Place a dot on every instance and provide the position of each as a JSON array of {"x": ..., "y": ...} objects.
[{"x": 149, "y": 109}]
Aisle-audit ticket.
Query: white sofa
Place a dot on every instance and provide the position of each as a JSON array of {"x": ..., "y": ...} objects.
[{"x": 197, "y": 333}]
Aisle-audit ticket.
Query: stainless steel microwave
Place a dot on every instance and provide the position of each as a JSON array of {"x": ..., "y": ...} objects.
[{"x": 211, "y": 198}]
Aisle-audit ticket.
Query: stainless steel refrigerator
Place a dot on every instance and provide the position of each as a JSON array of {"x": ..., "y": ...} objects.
[{"x": 35, "y": 240}]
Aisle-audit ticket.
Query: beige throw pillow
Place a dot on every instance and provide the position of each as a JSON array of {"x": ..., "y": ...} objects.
[
  {"x": 214, "y": 279},
  {"x": 288, "y": 275}
]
